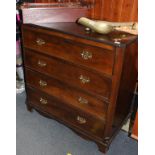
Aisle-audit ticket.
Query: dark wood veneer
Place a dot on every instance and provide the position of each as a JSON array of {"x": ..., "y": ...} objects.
[
  {"x": 101, "y": 59},
  {"x": 70, "y": 74},
  {"x": 66, "y": 113},
  {"x": 68, "y": 94},
  {"x": 110, "y": 78},
  {"x": 77, "y": 33}
]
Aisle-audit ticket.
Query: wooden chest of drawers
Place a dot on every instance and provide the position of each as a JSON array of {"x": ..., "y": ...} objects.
[{"x": 84, "y": 80}]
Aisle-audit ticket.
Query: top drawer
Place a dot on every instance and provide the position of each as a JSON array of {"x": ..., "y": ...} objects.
[{"x": 99, "y": 59}]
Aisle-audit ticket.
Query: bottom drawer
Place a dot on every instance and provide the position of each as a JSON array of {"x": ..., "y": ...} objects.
[{"x": 65, "y": 113}]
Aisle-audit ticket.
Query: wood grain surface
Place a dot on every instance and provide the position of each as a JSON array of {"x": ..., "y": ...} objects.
[{"x": 111, "y": 10}]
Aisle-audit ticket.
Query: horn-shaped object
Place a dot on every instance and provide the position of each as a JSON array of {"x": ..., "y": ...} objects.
[{"x": 105, "y": 27}]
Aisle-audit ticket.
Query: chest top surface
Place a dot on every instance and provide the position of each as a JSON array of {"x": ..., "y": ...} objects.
[{"x": 115, "y": 38}]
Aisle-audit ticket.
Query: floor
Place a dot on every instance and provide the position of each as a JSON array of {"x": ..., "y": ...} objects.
[{"x": 37, "y": 135}]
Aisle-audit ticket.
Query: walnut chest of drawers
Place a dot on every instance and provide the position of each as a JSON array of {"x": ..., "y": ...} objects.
[{"x": 83, "y": 80}]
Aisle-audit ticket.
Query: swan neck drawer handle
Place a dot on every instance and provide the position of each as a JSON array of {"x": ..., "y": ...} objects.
[
  {"x": 86, "y": 55},
  {"x": 43, "y": 101},
  {"x": 41, "y": 63},
  {"x": 40, "y": 41},
  {"x": 84, "y": 79},
  {"x": 42, "y": 83},
  {"x": 81, "y": 120},
  {"x": 82, "y": 100}
]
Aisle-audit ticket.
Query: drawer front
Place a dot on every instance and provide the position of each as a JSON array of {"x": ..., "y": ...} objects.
[
  {"x": 67, "y": 94},
  {"x": 74, "y": 117},
  {"x": 97, "y": 58},
  {"x": 68, "y": 73}
]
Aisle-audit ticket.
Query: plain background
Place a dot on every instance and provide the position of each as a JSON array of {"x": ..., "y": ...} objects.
[{"x": 146, "y": 79}]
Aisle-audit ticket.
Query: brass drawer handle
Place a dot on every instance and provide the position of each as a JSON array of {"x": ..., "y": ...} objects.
[
  {"x": 82, "y": 100},
  {"x": 81, "y": 120},
  {"x": 84, "y": 79},
  {"x": 86, "y": 55},
  {"x": 40, "y": 41},
  {"x": 41, "y": 63},
  {"x": 43, "y": 101},
  {"x": 42, "y": 83}
]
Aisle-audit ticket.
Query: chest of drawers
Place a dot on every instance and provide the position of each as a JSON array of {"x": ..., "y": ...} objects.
[{"x": 83, "y": 80}]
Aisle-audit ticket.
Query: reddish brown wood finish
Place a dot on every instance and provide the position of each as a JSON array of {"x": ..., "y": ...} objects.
[
  {"x": 49, "y": 1},
  {"x": 115, "y": 90},
  {"x": 68, "y": 94},
  {"x": 61, "y": 74},
  {"x": 135, "y": 128},
  {"x": 53, "y": 12},
  {"x": 101, "y": 59},
  {"x": 76, "y": 33},
  {"x": 112, "y": 10},
  {"x": 115, "y": 10},
  {"x": 127, "y": 84},
  {"x": 67, "y": 114},
  {"x": 69, "y": 73},
  {"x": 115, "y": 13}
]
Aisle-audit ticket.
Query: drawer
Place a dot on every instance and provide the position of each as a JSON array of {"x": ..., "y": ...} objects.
[
  {"x": 69, "y": 73},
  {"x": 65, "y": 113},
  {"x": 69, "y": 95},
  {"x": 96, "y": 58}
]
